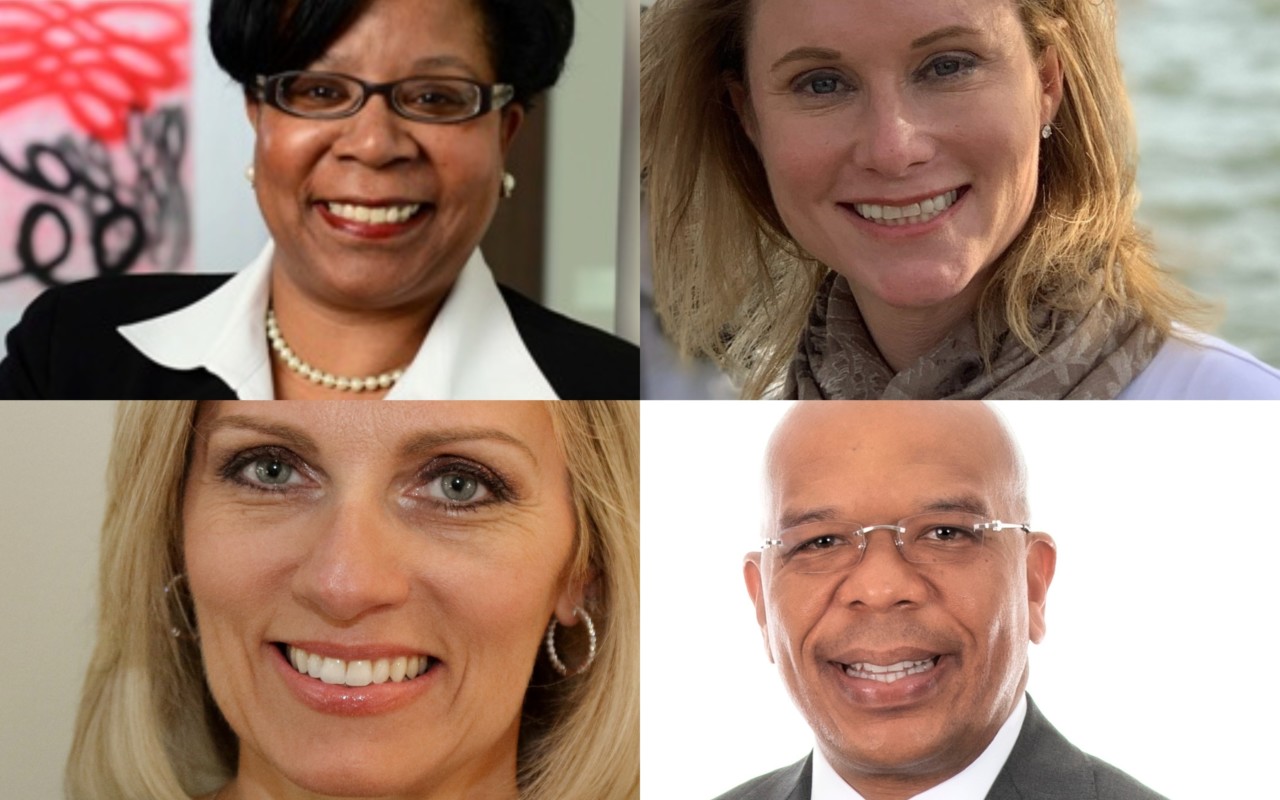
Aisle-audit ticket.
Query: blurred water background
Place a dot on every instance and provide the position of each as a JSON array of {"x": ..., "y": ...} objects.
[{"x": 1204, "y": 78}]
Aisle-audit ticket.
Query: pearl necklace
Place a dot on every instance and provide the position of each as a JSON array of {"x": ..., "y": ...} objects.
[{"x": 370, "y": 384}]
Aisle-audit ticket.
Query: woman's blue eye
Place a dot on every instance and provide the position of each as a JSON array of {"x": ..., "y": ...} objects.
[
  {"x": 948, "y": 66},
  {"x": 824, "y": 85},
  {"x": 459, "y": 488},
  {"x": 272, "y": 471}
]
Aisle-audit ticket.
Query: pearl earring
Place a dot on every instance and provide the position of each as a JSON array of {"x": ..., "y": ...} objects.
[
  {"x": 1046, "y": 131},
  {"x": 508, "y": 185},
  {"x": 249, "y": 175}
]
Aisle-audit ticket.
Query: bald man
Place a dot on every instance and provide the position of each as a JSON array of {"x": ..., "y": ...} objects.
[{"x": 897, "y": 590}]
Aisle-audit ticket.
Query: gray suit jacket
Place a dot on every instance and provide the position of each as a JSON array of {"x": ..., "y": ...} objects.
[{"x": 1042, "y": 766}]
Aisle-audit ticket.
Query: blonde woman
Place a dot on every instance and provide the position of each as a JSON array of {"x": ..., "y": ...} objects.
[
  {"x": 427, "y": 601},
  {"x": 911, "y": 200}
]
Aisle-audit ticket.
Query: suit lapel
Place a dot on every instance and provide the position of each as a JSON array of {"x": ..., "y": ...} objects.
[
  {"x": 1043, "y": 765},
  {"x": 802, "y": 780}
]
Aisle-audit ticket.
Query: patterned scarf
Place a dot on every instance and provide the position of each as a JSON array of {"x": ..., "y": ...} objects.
[{"x": 1090, "y": 357}]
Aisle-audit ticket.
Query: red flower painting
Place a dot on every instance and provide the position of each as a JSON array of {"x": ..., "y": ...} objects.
[{"x": 100, "y": 60}]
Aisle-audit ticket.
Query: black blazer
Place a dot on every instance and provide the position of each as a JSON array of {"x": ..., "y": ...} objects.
[
  {"x": 1042, "y": 766},
  {"x": 66, "y": 346}
]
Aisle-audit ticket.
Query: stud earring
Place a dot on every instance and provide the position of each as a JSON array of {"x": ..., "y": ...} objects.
[
  {"x": 1046, "y": 131},
  {"x": 249, "y": 175},
  {"x": 591, "y": 645},
  {"x": 508, "y": 185}
]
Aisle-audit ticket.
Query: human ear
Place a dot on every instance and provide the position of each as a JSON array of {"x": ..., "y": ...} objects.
[
  {"x": 1051, "y": 84},
  {"x": 755, "y": 588},
  {"x": 742, "y": 107},
  {"x": 1042, "y": 558},
  {"x": 574, "y": 595},
  {"x": 512, "y": 121}
]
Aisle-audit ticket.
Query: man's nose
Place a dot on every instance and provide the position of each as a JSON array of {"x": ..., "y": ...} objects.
[
  {"x": 883, "y": 579},
  {"x": 352, "y": 566}
]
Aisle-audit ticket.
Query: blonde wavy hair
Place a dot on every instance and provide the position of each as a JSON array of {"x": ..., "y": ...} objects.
[
  {"x": 729, "y": 280},
  {"x": 147, "y": 725}
]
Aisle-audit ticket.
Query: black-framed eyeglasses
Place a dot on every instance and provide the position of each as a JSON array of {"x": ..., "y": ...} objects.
[
  {"x": 422, "y": 98},
  {"x": 946, "y": 537}
]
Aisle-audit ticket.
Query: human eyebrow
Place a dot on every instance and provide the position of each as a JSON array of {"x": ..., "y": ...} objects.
[
  {"x": 970, "y": 504},
  {"x": 295, "y": 438},
  {"x": 951, "y": 31},
  {"x": 434, "y": 62},
  {"x": 419, "y": 66},
  {"x": 805, "y": 54},
  {"x": 435, "y": 440},
  {"x": 790, "y": 519}
]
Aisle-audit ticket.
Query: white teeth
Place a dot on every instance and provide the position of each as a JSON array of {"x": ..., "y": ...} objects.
[
  {"x": 397, "y": 668},
  {"x": 333, "y": 671},
  {"x": 913, "y": 214},
  {"x": 890, "y": 673},
  {"x": 361, "y": 672},
  {"x": 377, "y": 215}
]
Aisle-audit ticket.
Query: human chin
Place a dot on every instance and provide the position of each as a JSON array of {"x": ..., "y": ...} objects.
[
  {"x": 373, "y": 277},
  {"x": 896, "y": 737},
  {"x": 909, "y": 281}
]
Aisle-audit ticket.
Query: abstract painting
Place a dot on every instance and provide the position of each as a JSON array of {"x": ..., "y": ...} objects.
[{"x": 95, "y": 166}]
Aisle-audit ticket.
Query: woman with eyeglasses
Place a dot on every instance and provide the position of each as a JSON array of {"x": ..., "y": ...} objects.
[{"x": 382, "y": 128}]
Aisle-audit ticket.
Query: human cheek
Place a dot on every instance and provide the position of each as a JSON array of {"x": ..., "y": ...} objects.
[
  {"x": 231, "y": 585},
  {"x": 791, "y": 622},
  {"x": 505, "y": 593},
  {"x": 286, "y": 154},
  {"x": 802, "y": 161},
  {"x": 467, "y": 161}
]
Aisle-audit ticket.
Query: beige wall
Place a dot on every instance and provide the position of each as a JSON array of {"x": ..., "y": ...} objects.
[{"x": 53, "y": 460}]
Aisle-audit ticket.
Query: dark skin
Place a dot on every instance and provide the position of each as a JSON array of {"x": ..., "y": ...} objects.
[
  {"x": 878, "y": 462},
  {"x": 351, "y": 300}
]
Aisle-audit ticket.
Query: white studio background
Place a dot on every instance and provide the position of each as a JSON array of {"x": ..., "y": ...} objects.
[{"x": 1160, "y": 631}]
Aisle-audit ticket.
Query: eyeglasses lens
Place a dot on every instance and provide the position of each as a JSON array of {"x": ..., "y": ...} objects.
[
  {"x": 943, "y": 538},
  {"x": 316, "y": 94},
  {"x": 313, "y": 94},
  {"x": 438, "y": 99}
]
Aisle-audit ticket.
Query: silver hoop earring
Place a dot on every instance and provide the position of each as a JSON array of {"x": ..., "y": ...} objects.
[
  {"x": 508, "y": 185},
  {"x": 1046, "y": 131},
  {"x": 173, "y": 597},
  {"x": 250, "y": 175},
  {"x": 591, "y": 646}
]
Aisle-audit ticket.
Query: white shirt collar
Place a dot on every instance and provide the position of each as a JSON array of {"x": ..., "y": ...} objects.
[
  {"x": 973, "y": 783},
  {"x": 472, "y": 351}
]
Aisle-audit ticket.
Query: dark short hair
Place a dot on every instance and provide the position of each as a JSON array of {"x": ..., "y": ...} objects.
[{"x": 527, "y": 39}]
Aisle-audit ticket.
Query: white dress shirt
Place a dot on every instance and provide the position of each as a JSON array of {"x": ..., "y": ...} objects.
[
  {"x": 472, "y": 351},
  {"x": 971, "y": 784}
]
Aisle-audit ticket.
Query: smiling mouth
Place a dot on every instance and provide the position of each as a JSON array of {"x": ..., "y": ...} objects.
[
  {"x": 890, "y": 673},
  {"x": 358, "y": 672},
  {"x": 375, "y": 215},
  {"x": 913, "y": 214}
]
